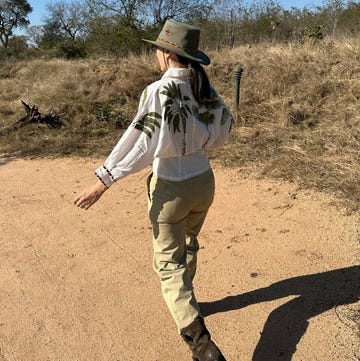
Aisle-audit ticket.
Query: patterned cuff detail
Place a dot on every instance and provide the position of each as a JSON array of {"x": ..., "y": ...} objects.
[
  {"x": 109, "y": 174},
  {"x": 101, "y": 180},
  {"x": 105, "y": 176}
]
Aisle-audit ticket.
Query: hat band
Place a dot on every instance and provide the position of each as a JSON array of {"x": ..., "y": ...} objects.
[{"x": 176, "y": 46}]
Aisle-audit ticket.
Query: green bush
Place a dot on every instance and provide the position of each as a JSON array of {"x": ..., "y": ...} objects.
[
  {"x": 110, "y": 112},
  {"x": 71, "y": 50}
]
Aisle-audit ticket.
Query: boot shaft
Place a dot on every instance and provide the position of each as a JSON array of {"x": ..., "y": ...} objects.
[{"x": 198, "y": 338}]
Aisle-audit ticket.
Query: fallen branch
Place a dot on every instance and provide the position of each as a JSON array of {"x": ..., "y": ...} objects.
[{"x": 34, "y": 116}]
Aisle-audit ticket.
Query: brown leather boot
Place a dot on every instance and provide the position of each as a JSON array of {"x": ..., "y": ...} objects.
[{"x": 199, "y": 340}]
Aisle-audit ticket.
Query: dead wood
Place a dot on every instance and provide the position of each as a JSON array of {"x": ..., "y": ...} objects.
[{"x": 33, "y": 115}]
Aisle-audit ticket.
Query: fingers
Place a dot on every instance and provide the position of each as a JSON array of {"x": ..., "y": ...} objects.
[
  {"x": 77, "y": 199},
  {"x": 85, "y": 205},
  {"x": 85, "y": 201},
  {"x": 81, "y": 201},
  {"x": 89, "y": 196}
]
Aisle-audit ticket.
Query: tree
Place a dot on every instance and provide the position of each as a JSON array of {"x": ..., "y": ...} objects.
[
  {"x": 13, "y": 14},
  {"x": 68, "y": 18},
  {"x": 330, "y": 14},
  {"x": 153, "y": 13},
  {"x": 181, "y": 10},
  {"x": 51, "y": 36},
  {"x": 34, "y": 35},
  {"x": 350, "y": 18},
  {"x": 65, "y": 28},
  {"x": 227, "y": 19},
  {"x": 114, "y": 36},
  {"x": 127, "y": 12}
]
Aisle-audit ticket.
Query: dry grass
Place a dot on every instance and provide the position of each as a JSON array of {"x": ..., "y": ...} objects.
[
  {"x": 299, "y": 117},
  {"x": 96, "y": 98}
]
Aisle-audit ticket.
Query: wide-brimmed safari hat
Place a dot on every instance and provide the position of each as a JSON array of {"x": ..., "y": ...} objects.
[{"x": 182, "y": 39}]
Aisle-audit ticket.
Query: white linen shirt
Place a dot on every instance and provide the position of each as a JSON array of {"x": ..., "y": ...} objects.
[{"x": 171, "y": 131}]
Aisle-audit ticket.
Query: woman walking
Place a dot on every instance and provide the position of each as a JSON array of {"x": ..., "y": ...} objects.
[{"x": 179, "y": 118}]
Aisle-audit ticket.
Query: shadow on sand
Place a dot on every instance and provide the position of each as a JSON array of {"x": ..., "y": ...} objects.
[{"x": 286, "y": 325}]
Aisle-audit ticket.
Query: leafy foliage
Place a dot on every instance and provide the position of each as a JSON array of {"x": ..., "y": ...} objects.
[
  {"x": 116, "y": 28},
  {"x": 13, "y": 14},
  {"x": 108, "y": 111},
  {"x": 113, "y": 37}
]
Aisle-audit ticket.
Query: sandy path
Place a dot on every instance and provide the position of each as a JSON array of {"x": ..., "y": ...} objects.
[{"x": 277, "y": 278}]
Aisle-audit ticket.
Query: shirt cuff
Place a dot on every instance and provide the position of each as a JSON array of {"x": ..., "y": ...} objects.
[{"x": 105, "y": 176}]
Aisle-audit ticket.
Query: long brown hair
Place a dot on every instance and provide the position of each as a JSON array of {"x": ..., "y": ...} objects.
[{"x": 200, "y": 83}]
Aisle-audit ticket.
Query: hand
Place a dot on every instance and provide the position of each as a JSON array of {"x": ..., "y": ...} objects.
[{"x": 90, "y": 195}]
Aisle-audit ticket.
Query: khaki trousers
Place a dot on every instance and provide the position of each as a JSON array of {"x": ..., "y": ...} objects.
[{"x": 177, "y": 211}]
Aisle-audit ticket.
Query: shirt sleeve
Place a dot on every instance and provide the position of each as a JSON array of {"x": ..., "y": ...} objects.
[{"x": 136, "y": 148}]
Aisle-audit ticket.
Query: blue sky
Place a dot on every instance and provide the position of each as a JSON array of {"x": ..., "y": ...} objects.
[{"x": 39, "y": 8}]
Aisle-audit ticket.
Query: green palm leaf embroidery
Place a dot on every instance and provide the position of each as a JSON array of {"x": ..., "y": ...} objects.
[
  {"x": 144, "y": 97},
  {"x": 175, "y": 109},
  {"x": 205, "y": 114},
  {"x": 206, "y": 117},
  {"x": 148, "y": 123}
]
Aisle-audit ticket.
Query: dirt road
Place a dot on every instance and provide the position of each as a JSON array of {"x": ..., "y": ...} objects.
[{"x": 278, "y": 276}]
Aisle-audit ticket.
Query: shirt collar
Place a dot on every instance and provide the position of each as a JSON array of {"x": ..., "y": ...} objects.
[{"x": 177, "y": 73}]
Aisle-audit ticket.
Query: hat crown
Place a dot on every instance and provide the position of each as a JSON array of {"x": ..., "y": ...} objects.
[
  {"x": 182, "y": 39},
  {"x": 182, "y": 36}
]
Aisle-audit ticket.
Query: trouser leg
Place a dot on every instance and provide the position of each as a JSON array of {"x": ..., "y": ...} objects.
[
  {"x": 192, "y": 248},
  {"x": 194, "y": 222},
  {"x": 170, "y": 263},
  {"x": 177, "y": 215}
]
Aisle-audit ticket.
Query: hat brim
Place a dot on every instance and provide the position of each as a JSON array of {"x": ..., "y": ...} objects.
[{"x": 199, "y": 57}]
